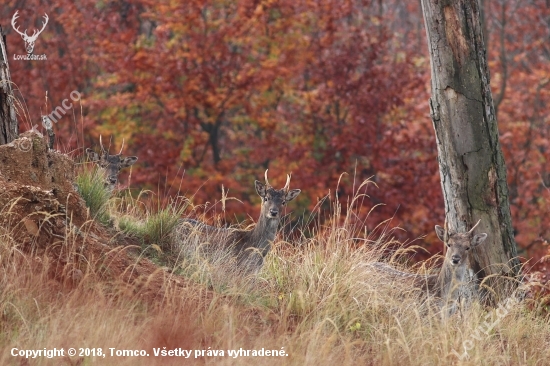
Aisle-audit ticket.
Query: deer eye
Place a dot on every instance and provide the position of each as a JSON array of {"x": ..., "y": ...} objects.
[
  {"x": 266, "y": 199},
  {"x": 467, "y": 248},
  {"x": 283, "y": 203}
]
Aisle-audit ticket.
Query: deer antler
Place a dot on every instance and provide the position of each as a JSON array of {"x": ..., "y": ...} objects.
[
  {"x": 267, "y": 181},
  {"x": 122, "y": 147},
  {"x": 472, "y": 229},
  {"x": 13, "y": 19},
  {"x": 287, "y": 185},
  {"x": 103, "y": 151}
]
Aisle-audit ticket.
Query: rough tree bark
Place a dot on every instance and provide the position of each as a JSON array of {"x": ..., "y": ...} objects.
[
  {"x": 9, "y": 129},
  {"x": 471, "y": 164}
]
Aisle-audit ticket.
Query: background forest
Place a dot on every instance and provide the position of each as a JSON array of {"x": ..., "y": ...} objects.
[{"x": 211, "y": 93}]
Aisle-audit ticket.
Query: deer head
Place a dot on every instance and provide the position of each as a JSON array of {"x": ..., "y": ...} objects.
[
  {"x": 459, "y": 245},
  {"x": 112, "y": 164},
  {"x": 29, "y": 40},
  {"x": 273, "y": 200}
]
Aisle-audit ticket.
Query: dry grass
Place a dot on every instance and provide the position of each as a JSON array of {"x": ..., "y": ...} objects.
[{"x": 315, "y": 296}]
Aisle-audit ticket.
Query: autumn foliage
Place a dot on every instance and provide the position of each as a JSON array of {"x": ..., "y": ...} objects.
[{"x": 212, "y": 93}]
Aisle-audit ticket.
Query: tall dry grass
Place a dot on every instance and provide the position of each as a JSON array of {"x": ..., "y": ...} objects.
[{"x": 316, "y": 296}]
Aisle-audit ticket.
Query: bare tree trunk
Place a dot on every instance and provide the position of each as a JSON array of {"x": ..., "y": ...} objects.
[
  {"x": 484, "y": 7},
  {"x": 471, "y": 164},
  {"x": 9, "y": 129}
]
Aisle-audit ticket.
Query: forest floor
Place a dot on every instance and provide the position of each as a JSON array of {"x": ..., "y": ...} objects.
[{"x": 118, "y": 295}]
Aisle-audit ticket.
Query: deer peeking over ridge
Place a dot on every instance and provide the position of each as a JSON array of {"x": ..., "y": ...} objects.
[
  {"x": 249, "y": 247},
  {"x": 111, "y": 164},
  {"x": 456, "y": 283}
]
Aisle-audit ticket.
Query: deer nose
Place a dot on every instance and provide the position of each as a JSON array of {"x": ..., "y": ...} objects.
[
  {"x": 112, "y": 179},
  {"x": 274, "y": 212},
  {"x": 455, "y": 259}
]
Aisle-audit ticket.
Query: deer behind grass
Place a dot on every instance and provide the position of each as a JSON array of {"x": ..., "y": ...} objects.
[
  {"x": 111, "y": 164},
  {"x": 456, "y": 283},
  {"x": 249, "y": 247},
  {"x": 426, "y": 282}
]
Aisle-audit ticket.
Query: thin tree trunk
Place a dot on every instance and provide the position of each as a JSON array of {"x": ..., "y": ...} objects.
[
  {"x": 471, "y": 164},
  {"x": 9, "y": 129}
]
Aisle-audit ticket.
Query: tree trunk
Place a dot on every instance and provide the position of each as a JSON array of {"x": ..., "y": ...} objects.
[
  {"x": 471, "y": 164},
  {"x": 9, "y": 129}
]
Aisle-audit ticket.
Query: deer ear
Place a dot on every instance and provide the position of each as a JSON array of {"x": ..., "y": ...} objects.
[
  {"x": 440, "y": 232},
  {"x": 92, "y": 155},
  {"x": 128, "y": 161},
  {"x": 292, "y": 194},
  {"x": 478, "y": 239},
  {"x": 260, "y": 188}
]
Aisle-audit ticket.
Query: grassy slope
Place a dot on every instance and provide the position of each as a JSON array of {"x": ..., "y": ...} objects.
[{"x": 315, "y": 296}]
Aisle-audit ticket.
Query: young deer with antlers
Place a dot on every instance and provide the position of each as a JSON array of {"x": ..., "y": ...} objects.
[
  {"x": 250, "y": 247},
  {"x": 111, "y": 164},
  {"x": 456, "y": 282}
]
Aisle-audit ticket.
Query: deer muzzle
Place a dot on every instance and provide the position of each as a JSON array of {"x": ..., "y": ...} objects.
[{"x": 112, "y": 179}]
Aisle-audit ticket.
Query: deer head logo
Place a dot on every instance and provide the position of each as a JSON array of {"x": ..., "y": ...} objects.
[{"x": 29, "y": 40}]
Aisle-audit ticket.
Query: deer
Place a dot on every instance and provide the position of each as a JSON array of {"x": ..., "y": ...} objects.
[
  {"x": 425, "y": 282},
  {"x": 456, "y": 282},
  {"x": 29, "y": 40},
  {"x": 250, "y": 247},
  {"x": 111, "y": 164}
]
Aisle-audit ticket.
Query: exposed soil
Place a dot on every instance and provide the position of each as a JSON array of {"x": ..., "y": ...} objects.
[{"x": 45, "y": 217}]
